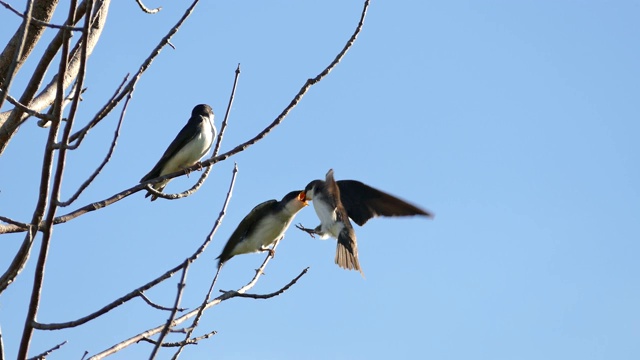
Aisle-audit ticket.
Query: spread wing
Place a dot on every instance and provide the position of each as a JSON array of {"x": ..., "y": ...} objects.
[
  {"x": 245, "y": 227},
  {"x": 362, "y": 202},
  {"x": 188, "y": 133}
]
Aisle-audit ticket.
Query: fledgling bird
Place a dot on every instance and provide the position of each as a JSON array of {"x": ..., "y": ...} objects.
[
  {"x": 190, "y": 145},
  {"x": 337, "y": 201},
  {"x": 266, "y": 223}
]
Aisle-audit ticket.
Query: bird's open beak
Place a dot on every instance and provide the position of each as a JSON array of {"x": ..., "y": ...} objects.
[{"x": 303, "y": 198}]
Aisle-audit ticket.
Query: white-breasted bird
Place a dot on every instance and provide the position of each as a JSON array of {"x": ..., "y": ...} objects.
[
  {"x": 190, "y": 145},
  {"x": 263, "y": 226},
  {"x": 337, "y": 201}
]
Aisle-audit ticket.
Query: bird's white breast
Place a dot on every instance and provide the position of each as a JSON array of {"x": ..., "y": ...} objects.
[
  {"x": 192, "y": 151},
  {"x": 328, "y": 219}
]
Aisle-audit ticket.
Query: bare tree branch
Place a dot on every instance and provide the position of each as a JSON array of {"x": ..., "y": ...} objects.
[
  {"x": 39, "y": 22},
  {"x": 132, "y": 340},
  {"x": 44, "y": 355},
  {"x": 38, "y": 278},
  {"x": 1, "y": 346},
  {"x": 11, "y": 120},
  {"x": 156, "y": 306},
  {"x": 192, "y": 341},
  {"x": 13, "y": 222},
  {"x": 106, "y": 109},
  {"x": 42, "y": 10},
  {"x": 13, "y": 67},
  {"x": 267, "y": 296},
  {"x": 95, "y": 174},
  {"x": 135, "y": 293},
  {"x": 174, "y": 311},
  {"x": 146, "y": 9}
]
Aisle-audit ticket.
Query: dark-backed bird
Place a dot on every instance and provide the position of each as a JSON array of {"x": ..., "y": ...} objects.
[
  {"x": 337, "y": 201},
  {"x": 263, "y": 226},
  {"x": 189, "y": 146}
]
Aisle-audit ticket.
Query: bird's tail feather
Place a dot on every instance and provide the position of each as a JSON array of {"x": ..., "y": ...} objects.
[{"x": 347, "y": 251}]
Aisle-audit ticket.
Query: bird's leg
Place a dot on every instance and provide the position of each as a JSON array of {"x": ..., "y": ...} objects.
[
  {"x": 272, "y": 252},
  {"x": 311, "y": 232},
  {"x": 187, "y": 170}
]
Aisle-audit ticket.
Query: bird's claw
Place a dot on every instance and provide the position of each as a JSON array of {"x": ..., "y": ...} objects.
[{"x": 311, "y": 232}]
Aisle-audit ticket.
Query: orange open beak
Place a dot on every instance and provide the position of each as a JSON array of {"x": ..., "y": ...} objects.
[{"x": 303, "y": 198}]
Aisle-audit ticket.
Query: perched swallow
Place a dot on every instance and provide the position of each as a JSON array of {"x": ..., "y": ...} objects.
[
  {"x": 336, "y": 202},
  {"x": 265, "y": 224},
  {"x": 191, "y": 144}
]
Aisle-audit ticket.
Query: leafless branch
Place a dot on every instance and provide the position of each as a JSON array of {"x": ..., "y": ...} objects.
[
  {"x": 29, "y": 111},
  {"x": 135, "y": 293},
  {"x": 1, "y": 346},
  {"x": 95, "y": 174},
  {"x": 11, "y": 120},
  {"x": 13, "y": 222},
  {"x": 201, "y": 309},
  {"x": 174, "y": 311},
  {"x": 156, "y": 306},
  {"x": 223, "y": 126},
  {"x": 267, "y": 296},
  {"x": 38, "y": 278},
  {"x": 83, "y": 132},
  {"x": 192, "y": 341},
  {"x": 39, "y": 22},
  {"x": 8, "y": 78},
  {"x": 48, "y": 352},
  {"x": 151, "y": 332},
  {"x": 146, "y": 9},
  {"x": 106, "y": 109}
]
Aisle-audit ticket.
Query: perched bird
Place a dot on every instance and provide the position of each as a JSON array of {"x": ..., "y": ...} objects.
[
  {"x": 336, "y": 202},
  {"x": 263, "y": 226},
  {"x": 189, "y": 146}
]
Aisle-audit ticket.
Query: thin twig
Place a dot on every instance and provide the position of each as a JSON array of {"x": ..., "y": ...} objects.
[
  {"x": 85, "y": 129},
  {"x": 29, "y": 111},
  {"x": 192, "y": 341},
  {"x": 196, "y": 320},
  {"x": 267, "y": 296},
  {"x": 95, "y": 174},
  {"x": 132, "y": 340},
  {"x": 44, "y": 355},
  {"x": 135, "y": 293},
  {"x": 13, "y": 222},
  {"x": 39, "y": 22},
  {"x": 156, "y": 306},
  {"x": 106, "y": 109},
  {"x": 146, "y": 9},
  {"x": 167, "y": 327},
  {"x": 8, "y": 78}
]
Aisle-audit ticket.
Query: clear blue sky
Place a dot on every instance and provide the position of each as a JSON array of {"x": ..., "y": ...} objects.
[{"x": 516, "y": 122}]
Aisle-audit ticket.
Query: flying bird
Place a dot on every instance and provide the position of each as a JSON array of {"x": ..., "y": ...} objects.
[
  {"x": 337, "y": 201},
  {"x": 189, "y": 146},
  {"x": 263, "y": 226}
]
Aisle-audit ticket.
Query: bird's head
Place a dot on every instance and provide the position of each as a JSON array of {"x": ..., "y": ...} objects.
[
  {"x": 203, "y": 110},
  {"x": 295, "y": 199},
  {"x": 313, "y": 188}
]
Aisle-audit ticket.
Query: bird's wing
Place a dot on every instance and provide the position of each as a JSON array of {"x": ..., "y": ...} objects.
[
  {"x": 245, "y": 227},
  {"x": 188, "y": 133},
  {"x": 362, "y": 202}
]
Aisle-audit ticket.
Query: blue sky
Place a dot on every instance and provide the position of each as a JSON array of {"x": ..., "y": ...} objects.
[{"x": 515, "y": 122}]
